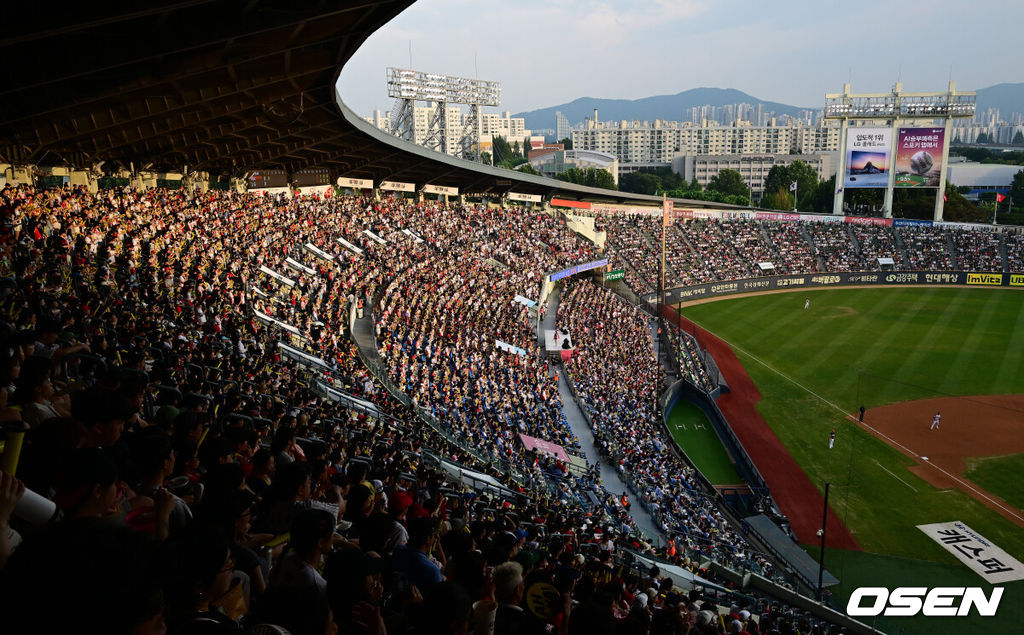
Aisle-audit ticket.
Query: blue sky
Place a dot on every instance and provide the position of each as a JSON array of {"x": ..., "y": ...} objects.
[{"x": 547, "y": 52}]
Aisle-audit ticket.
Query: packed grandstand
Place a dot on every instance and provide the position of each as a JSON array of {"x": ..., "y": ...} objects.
[{"x": 224, "y": 452}]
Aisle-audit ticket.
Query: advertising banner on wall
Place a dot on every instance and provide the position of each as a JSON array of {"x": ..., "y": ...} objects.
[
  {"x": 863, "y": 278},
  {"x": 919, "y": 157},
  {"x": 867, "y": 157}
]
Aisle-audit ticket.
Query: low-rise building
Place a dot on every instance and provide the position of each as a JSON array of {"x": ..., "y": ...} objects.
[
  {"x": 554, "y": 162},
  {"x": 753, "y": 168}
]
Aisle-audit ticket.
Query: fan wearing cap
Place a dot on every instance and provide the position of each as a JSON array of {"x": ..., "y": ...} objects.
[
  {"x": 385, "y": 529},
  {"x": 398, "y": 503}
]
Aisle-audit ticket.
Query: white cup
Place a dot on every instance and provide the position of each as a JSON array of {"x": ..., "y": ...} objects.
[{"x": 34, "y": 509}]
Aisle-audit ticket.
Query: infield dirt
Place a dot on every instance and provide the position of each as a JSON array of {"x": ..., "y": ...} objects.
[{"x": 987, "y": 425}]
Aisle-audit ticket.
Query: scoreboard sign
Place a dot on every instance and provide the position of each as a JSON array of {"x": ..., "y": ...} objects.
[{"x": 264, "y": 179}]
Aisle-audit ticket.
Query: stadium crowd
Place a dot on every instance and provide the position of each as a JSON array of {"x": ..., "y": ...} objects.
[
  {"x": 202, "y": 481},
  {"x": 700, "y": 251},
  {"x": 927, "y": 248},
  {"x": 199, "y": 485},
  {"x": 614, "y": 372}
]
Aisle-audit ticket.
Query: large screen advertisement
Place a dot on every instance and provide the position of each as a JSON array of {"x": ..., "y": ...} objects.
[
  {"x": 919, "y": 157},
  {"x": 867, "y": 157}
]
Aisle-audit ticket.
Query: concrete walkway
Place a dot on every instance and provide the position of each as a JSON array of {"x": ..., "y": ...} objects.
[{"x": 578, "y": 424}]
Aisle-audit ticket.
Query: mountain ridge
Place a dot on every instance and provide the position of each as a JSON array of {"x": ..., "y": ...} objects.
[{"x": 1007, "y": 97}]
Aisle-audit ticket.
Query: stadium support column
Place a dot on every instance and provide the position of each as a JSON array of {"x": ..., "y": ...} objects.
[
  {"x": 837, "y": 200},
  {"x": 890, "y": 181},
  {"x": 940, "y": 196}
]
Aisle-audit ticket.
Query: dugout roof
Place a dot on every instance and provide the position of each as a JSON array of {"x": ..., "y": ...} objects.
[{"x": 224, "y": 86}]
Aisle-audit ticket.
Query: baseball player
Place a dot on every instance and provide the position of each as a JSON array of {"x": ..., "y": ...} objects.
[
  {"x": 935, "y": 420},
  {"x": 832, "y": 439}
]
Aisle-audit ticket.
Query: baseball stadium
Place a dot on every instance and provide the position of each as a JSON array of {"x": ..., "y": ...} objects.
[{"x": 266, "y": 368}]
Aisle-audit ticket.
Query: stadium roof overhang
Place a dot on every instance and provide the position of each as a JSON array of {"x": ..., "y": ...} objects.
[{"x": 220, "y": 86}]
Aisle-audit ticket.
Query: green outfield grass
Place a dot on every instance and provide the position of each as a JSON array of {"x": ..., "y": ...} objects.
[
  {"x": 858, "y": 569},
  {"x": 1001, "y": 475},
  {"x": 876, "y": 346},
  {"x": 696, "y": 436}
]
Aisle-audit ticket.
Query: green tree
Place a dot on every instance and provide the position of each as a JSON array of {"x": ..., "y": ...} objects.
[
  {"x": 502, "y": 150},
  {"x": 824, "y": 196},
  {"x": 777, "y": 179},
  {"x": 591, "y": 177},
  {"x": 782, "y": 177},
  {"x": 984, "y": 138},
  {"x": 526, "y": 168},
  {"x": 729, "y": 182},
  {"x": 1018, "y": 139},
  {"x": 695, "y": 185},
  {"x": 987, "y": 155},
  {"x": 640, "y": 183},
  {"x": 958, "y": 209},
  {"x": 1017, "y": 188},
  {"x": 485, "y": 157},
  {"x": 779, "y": 199},
  {"x": 806, "y": 184},
  {"x": 911, "y": 202},
  {"x": 567, "y": 142}
]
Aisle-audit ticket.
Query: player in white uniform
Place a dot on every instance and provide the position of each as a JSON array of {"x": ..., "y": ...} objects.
[{"x": 935, "y": 421}]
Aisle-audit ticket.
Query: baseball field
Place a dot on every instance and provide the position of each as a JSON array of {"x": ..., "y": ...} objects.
[{"x": 904, "y": 354}]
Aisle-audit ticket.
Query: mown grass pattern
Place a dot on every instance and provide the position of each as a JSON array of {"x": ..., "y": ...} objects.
[{"x": 876, "y": 347}]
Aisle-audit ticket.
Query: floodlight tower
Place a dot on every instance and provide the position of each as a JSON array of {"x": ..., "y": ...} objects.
[
  {"x": 897, "y": 107},
  {"x": 408, "y": 87}
]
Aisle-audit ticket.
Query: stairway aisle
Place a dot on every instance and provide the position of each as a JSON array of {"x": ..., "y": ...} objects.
[{"x": 578, "y": 424}]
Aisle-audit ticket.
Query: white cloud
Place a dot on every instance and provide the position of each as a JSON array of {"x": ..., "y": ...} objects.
[{"x": 547, "y": 52}]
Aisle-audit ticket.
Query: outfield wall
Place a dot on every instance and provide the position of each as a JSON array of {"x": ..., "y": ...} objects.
[{"x": 978, "y": 279}]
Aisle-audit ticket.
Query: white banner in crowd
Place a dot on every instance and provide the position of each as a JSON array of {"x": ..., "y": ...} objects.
[
  {"x": 263, "y": 317},
  {"x": 971, "y": 548},
  {"x": 347, "y": 245},
  {"x": 528, "y": 198},
  {"x": 276, "y": 276},
  {"x": 441, "y": 189},
  {"x": 505, "y": 346},
  {"x": 527, "y": 302},
  {"x": 363, "y": 184},
  {"x": 298, "y": 266},
  {"x": 316, "y": 251},
  {"x": 397, "y": 186},
  {"x": 302, "y": 357},
  {"x": 375, "y": 237},
  {"x": 411, "y": 234},
  {"x": 626, "y": 209}
]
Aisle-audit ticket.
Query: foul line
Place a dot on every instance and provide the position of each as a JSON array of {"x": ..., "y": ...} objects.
[
  {"x": 776, "y": 371},
  {"x": 894, "y": 476},
  {"x": 964, "y": 484},
  {"x": 980, "y": 493}
]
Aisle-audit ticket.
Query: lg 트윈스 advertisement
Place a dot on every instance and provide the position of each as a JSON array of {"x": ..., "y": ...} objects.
[
  {"x": 919, "y": 157},
  {"x": 867, "y": 157}
]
